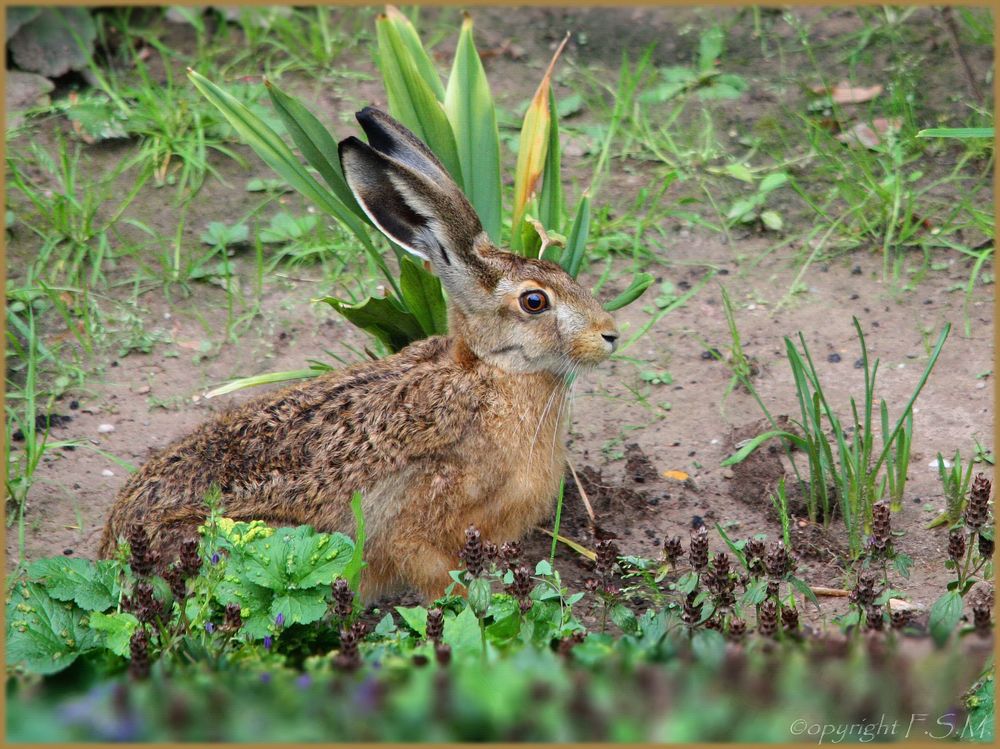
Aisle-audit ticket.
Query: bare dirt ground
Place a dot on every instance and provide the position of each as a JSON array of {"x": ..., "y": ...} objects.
[{"x": 620, "y": 447}]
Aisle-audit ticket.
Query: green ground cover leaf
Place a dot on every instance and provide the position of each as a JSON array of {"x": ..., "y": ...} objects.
[
  {"x": 92, "y": 585},
  {"x": 296, "y": 558},
  {"x": 117, "y": 629},
  {"x": 45, "y": 635}
]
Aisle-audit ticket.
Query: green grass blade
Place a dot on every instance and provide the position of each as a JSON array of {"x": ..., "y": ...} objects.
[
  {"x": 264, "y": 379},
  {"x": 411, "y": 99},
  {"x": 469, "y": 105},
  {"x": 956, "y": 132},
  {"x": 740, "y": 455},
  {"x": 636, "y": 289},
  {"x": 920, "y": 386},
  {"x": 352, "y": 573},
  {"x": 678, "y": 302}
]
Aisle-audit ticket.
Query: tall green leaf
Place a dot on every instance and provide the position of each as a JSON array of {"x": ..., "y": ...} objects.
[
  {"x": 421, "y": 60},
  {"x": 551, "y": 203},
  {"x": 469, "y": 106},
  {"x": 316, "y": 144},
  {"x": 411, "y": 99},
  {"x": 423, "y": 296},
  {"x": 277, "y": 155},
  {"x": 576, "y": 243}
]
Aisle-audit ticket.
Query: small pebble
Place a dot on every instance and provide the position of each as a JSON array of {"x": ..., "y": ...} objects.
[
  {"x": 106, "y": 428},
  {"x": 833, "y": 358},
  {"x": 67, "y": 552},
  {"x": 73, "y": 405},
  {"x": 143, "y": 390},
  {"x": 107, "y": 472},
  {"x": 934, "y": 464}
]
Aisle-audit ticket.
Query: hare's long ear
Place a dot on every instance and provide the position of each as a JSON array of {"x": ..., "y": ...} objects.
[{"x": 409, "y": 196}]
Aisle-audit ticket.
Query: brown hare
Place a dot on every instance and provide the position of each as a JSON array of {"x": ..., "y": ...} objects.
[{"x": 452, "y": 431}]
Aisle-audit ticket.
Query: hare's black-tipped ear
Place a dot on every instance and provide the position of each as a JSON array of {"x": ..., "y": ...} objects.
[
  {"x": 407, "y": 193},
  {"x": 390, "y": 138}
]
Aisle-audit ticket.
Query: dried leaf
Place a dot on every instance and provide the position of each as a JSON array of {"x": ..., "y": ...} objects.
[
  {"x": 676, "y": 475},
  {"x": 845, "y": 93},
  {"x": 532, "y": 148},
  {"x": 869, "y": 135}
]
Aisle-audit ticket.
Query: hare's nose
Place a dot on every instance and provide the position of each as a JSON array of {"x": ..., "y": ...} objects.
[{"x": 611, "y": 338}]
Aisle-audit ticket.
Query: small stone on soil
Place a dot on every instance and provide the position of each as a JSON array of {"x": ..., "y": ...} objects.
[
  {"x": 73, "y": 405},
  {"x": 67, "y": 552},
  {"x": 106, "y": 428},
  {"x": 711, "y": 354},
  {"x": 107, "y": 472},
  {"x": 834, "y": 358}
]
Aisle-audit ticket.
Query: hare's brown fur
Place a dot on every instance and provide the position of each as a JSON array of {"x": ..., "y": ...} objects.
[
  {"x": 452, "y": 431},
  {"x": 431, "y": 430}
]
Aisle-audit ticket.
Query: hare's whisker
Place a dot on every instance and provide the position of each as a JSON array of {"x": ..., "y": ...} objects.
[
  {"x": 541, "y": 418},
  {"x": 562, "y": 403}
]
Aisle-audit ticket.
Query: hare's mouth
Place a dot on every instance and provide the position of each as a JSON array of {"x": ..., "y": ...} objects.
[{"x": 593, "y": 350}]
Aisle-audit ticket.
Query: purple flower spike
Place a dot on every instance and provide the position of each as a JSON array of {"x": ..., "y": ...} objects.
[
  {"x": 303, "y": 681},
  {"x": 209, "y": 627},
  {"x": 268, "y": 641},
  {"x": 265, "y": 678},
  {"x": 215, "y": 558},
  {"x": 279, "y": 620}
]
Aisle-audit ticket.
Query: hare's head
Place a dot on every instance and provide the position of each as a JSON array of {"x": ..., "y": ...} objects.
[{"x": 519, "y": 314}]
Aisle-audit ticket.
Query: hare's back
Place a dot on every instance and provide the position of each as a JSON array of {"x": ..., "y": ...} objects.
[{"x": 297, "y": 455}]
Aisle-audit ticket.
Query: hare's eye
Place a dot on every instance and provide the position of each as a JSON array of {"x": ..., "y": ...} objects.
[{"x": 534, "y": 301}]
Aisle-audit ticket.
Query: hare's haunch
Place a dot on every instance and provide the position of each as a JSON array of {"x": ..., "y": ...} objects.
[{"x": 451, "y": 431}]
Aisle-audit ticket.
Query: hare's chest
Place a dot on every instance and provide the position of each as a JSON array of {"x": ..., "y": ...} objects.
[{"x": 513, "y": 473}]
